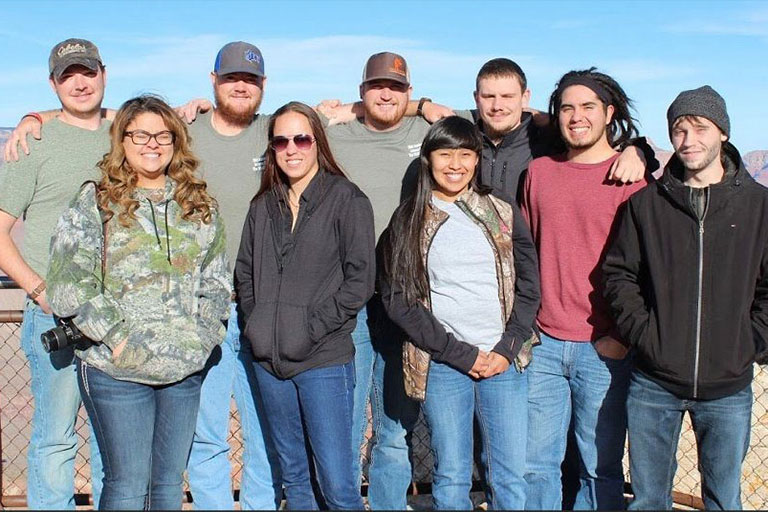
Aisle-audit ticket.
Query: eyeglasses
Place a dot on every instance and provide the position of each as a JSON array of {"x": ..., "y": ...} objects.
[
  {"x": 302, "y": 142},
  {"x": 140, "y": 137}
]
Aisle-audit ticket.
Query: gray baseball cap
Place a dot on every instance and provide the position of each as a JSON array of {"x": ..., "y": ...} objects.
[
  {"x": 239, "y": 57},
  {"x": 73, "y": 51}
]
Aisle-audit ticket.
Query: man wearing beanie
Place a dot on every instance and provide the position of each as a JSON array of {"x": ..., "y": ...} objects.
[
  {"x": 687, "y": 281},
  {"x": 38, "y": 188}
]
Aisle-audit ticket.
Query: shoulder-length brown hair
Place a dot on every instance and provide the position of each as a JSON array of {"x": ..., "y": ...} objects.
[
  {"x": 118, "y": 180},
  {"x": 273, "y": 178}
]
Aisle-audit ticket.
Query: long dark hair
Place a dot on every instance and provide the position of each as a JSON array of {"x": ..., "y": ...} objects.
[
  {"x": 273, "y": 178},
  {"x": 622, "y": 126},
  {"x": 403, "y": 266}
]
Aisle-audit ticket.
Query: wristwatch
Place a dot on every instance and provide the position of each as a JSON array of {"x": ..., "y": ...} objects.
[{"x": 420, "y": 108}]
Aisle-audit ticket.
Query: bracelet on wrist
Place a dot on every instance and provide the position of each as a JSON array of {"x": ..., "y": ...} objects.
[
  {"x": 36, "y": 115},
  {"x": 40, "y": 288}
]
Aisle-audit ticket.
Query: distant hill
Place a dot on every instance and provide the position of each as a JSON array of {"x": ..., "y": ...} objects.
[
  {"x": 756, "y": 162},
  {"x": 662, "y": 155}
]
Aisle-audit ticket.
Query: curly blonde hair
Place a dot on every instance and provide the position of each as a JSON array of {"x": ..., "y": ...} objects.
[{"x": 118, "y": 180}]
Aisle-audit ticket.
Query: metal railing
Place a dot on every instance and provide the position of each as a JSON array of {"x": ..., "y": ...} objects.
[{"x": 16, "y": 407}]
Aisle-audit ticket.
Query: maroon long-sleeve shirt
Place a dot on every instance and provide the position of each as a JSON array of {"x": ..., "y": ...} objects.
[{"x": 571, "y": 209}]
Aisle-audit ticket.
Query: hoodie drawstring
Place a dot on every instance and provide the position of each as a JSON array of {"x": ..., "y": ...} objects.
[
  {"x": 157, "y": 234},
  {"x": 167, "y": 236}
]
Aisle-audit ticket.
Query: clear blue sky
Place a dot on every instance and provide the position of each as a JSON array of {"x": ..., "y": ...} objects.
[{"x": 315, "y": 50}]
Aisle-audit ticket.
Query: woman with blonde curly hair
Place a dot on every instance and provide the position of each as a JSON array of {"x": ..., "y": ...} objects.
[{"x": 140, "y": 268}]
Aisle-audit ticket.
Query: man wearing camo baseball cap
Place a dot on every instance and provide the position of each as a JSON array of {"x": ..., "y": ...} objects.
[
  {"x": 73, "y": 52},
  {"x": 39, "y": 187}
]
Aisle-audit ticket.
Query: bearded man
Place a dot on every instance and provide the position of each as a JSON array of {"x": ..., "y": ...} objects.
[{"x": 230, "y": 141}]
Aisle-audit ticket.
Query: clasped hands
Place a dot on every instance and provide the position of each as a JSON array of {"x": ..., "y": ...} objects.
[{"x": 488, "y": 364}]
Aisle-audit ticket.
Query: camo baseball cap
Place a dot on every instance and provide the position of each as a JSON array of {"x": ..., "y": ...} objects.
[
  {"x": 73, "y": 51},
  {"x": 386, "y": 66},
  {"x": 239, "y": 57}
]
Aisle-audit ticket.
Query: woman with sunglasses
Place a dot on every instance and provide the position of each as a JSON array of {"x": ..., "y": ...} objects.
[
  {"x": 139, "y": 263},
  {"x": 305, "y": 268},
  {"x": 461, "y": 279}
]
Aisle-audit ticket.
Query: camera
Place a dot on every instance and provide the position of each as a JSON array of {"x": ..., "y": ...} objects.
[{"x": 63, "y": 336}]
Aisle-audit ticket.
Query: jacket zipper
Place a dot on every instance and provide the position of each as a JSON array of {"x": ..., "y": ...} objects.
[
  {"x": 699, "y": 299},
  {"x": 279, "y": 262},
  {"x": 275, "y": 349},
  {"x": 280, "y": 266}
]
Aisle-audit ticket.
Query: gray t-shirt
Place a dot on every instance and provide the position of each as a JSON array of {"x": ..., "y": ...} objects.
[
  {"x": 232, "y": 167},
  {"x": 466, "y": 114},
  {"x": 40, "y": 186},
  {"x": 463, "y": 286},
  {"x": 383, "y": 164}
]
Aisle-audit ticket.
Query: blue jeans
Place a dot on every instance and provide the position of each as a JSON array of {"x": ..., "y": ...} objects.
[
  {"x": 145, "y": 433},
  {"x": 570, "y": 379},
  {"x": 230, "y": 368},
  {"x": 394, "y": 415},
  {"x": 315, "y": 405},
  {"x": 500, "y": 404},
  {"x": 722, "y": 434},
  {"x": 53, "y": 444},
  {"x": 364, "y": 358}
]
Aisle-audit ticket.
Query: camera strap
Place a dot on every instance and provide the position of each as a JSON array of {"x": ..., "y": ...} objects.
[
  {"x": 103, "y": 251},
  {"x": 103, "y": 234}
]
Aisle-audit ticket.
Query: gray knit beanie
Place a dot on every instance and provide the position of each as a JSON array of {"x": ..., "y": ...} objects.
[{"x": 704, "y": 102}]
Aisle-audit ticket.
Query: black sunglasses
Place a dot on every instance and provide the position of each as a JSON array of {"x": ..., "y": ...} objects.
[{"x": 302, "y": 142}]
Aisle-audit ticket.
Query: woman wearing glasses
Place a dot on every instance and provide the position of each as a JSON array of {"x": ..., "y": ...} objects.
[
  {"x": 304, "y": 270},
  {"x": 139, "y": 263}
]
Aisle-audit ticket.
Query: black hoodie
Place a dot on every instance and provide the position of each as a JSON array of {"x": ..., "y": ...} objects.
[
  {"x": 688, "y": 286},
  {"x": 300, "y": 291}
]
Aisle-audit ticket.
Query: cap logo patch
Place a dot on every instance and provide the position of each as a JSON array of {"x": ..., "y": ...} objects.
[
  {"x": 251, "y": 56},
  {"x": 70, "y": 48},
  {"x": 398, "y": 66}
]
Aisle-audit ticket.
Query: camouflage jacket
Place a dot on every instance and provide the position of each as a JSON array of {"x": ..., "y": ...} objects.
[
  {"x": 167, "y": 289},
  {"x": 497, "y": 218}
]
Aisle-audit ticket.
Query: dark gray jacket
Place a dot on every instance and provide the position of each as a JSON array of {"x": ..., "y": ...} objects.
[
  {"x": 504, "y": 164},
  {"x": 300, "y": 291}
]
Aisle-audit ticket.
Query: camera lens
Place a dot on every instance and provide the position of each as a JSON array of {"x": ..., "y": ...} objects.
[{"x": 53, "y": 339}]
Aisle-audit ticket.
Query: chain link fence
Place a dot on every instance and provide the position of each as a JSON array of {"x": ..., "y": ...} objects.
[{"x": 16, "y": 409}]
